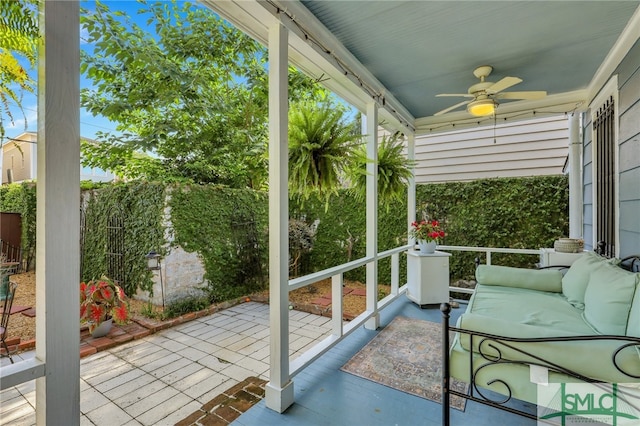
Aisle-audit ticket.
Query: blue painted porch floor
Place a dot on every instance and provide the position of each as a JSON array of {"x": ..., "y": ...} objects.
[{"x": 325, "y": 395}]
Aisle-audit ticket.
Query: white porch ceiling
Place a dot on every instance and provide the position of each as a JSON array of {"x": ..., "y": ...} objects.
[{"x": 406, "y": 52}]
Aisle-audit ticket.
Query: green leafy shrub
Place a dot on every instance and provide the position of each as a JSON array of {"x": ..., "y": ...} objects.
[
  {"x": 189, "y": 301},
  {"x": 228, "y": 228},
  {"x": 505, "y": 212}
]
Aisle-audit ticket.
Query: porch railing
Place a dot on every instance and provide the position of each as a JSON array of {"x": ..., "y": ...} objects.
[
  {"x": 339, "y": 329},
  {"x": 487, "y": 251}
]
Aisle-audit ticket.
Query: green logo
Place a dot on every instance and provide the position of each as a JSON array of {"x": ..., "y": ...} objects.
[{"x": 569, "y": 404}]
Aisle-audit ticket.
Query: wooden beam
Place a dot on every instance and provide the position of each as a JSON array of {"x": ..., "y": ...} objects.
[{"x": 58, "y": 215}]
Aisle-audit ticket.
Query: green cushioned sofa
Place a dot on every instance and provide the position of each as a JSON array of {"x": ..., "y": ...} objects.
[{"x": 574, "y": 326}]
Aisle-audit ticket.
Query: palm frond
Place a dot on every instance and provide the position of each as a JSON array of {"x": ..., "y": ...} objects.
[{"x": 320, "y": 145}]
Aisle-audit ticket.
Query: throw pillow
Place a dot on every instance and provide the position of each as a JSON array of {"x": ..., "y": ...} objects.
[
  {"x": 533, "y": 279},
  {"x": 607, "y": 300},
  {"x": 574, "y": 282}
]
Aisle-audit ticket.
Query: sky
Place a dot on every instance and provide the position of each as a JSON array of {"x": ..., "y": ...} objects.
[{"x": 89, "y": 125}]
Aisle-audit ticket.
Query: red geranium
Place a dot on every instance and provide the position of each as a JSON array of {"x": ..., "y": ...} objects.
[{"x": 428, "y": 230}]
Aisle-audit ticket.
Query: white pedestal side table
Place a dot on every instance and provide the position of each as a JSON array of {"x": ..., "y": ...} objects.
[
  {"x": 428, "y": 277},
  {"x": 550, "y": 257}
]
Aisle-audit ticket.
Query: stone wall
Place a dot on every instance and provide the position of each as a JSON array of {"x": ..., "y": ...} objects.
[{"x": 181, "y": 273}]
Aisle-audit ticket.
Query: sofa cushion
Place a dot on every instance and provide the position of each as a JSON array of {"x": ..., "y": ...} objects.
[
  {"x": 549, "y": 311},
  {"x": 607, "y": 299},
  {"x": 574, "y": 283},
  {"x": 533, "y": 279}
]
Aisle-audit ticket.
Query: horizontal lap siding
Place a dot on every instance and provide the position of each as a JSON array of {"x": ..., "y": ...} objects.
[
  {"x": 629, "y": 139},
  {"x": 524, "y": 148},
  {"x": 628, "y": 158},
  {"x": 21, "y": 161}
]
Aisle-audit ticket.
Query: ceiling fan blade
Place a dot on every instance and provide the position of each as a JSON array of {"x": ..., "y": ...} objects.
[
  {"x": 466, "y": 95},
  {"x": 505, "y": 83},
  {"x": 522, "y": 95},
  {"x": 444, "y": 111}
]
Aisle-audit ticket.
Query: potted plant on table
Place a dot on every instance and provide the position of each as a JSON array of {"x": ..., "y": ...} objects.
[
  {"x": 427, "y": 233},
  {"x": 102, "y": 302}
]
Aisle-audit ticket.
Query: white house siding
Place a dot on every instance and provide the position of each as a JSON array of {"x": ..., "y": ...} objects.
[
  {"x": 532, "y": 147},
  {"x": 629, "y": 148},
  {"x": 628, "y": 110},
  {"x": 24, "y": 164},
  {"x": 20, "y": 158}
]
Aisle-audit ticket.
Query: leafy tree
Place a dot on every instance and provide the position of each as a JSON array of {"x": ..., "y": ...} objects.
[
  {"x": 18, "y": 38},
  {"x": 195, "y": 95}
]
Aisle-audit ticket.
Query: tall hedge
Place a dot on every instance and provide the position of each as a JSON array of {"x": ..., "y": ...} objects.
[
  {"x": 341, "y": 233},
  {"x": 228, "y": 228},
  {"x": 505, "y": 212}
]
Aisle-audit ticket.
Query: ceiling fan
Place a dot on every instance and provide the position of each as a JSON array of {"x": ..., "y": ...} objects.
[{"x": 485, "y": 94}]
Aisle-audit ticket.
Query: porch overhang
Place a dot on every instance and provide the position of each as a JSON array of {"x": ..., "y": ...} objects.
[
  {"x": 401, "y": 54},
  {"x": 316, "y": 52}
]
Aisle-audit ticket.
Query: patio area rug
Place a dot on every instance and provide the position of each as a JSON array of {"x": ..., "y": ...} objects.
[{"x": 406, "y": 355}]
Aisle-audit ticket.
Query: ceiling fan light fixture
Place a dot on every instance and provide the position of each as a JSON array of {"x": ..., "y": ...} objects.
[{"x": 482, "y": 107}]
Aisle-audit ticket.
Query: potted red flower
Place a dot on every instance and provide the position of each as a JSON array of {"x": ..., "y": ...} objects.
[
  {"x": 101, "y": 302},
  {"x": 427, "y": 233}
]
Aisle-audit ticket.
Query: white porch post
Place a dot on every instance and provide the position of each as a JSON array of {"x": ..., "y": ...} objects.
[
  {"x": 411, "y": 189},
  {"x": 372, "y": 215},
  {"x": 58, "y": 215},
  {"x": 575, "y": 178},
  {"x": 279, "y": 390}
]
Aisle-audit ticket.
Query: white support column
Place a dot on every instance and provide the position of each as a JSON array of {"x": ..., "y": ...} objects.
[
  {"x": 279, "y": 390},
  {"x": 411, "y": 189},
  {"x": 58, "y": 215},
  {"x": 372, "y": 215},
  {"x": 575, "y": 177}
]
